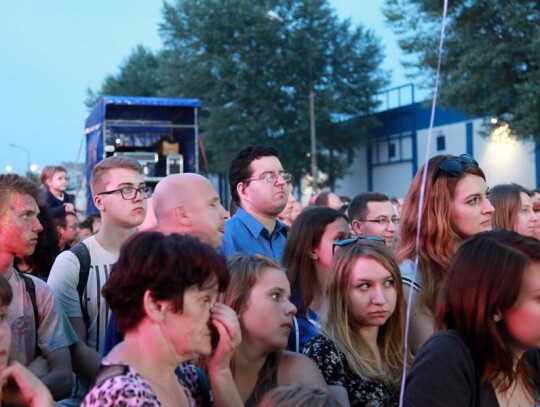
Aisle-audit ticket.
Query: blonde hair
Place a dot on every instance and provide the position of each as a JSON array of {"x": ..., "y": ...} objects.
[
  {"x": 438, "y": 238},
  {"x": 104, "y": 166},
  {"x": 339, "y": 325}
]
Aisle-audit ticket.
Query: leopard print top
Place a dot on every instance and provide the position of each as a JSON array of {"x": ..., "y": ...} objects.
[{"x": 128, "y": 389}]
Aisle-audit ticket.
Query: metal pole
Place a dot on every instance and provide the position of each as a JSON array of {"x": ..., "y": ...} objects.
[{"x": 27, "y": 155}]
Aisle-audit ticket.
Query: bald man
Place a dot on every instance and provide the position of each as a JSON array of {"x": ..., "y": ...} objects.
[{"x": 188, "y": 204}]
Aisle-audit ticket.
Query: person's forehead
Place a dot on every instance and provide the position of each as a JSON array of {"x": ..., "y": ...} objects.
[
  {"x": 384, "y": 208},
  {"x": 118, "y": 177},
  {"x": 23, "y": 202},
  {"x": 265, "y": 164}
]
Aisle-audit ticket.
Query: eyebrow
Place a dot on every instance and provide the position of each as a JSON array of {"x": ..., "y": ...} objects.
[{"x": 130, "y": 184}]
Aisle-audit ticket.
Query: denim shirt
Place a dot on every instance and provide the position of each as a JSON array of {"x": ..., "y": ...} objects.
[{"x": 245, "y": 234}]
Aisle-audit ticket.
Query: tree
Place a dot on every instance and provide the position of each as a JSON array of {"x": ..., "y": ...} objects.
[
  {"x": 139, "y": 76},
  {"x": 253, "y": 76},
  {"x": 491, "y": 55}
]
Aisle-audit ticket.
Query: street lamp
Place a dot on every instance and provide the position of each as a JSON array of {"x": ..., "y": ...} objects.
[
  {"x": 27, "y": 155},
  {"x": 272, "y": 15}
]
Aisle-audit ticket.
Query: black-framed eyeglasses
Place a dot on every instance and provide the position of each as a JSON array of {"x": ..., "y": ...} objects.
[
  {"x": 129, "y": 193},
  {"x": 455, "y": 166},
  {"x": 272, "y": 177},
  {"x": 383, "y": 221},
  {"x": 352, "y": 240}
]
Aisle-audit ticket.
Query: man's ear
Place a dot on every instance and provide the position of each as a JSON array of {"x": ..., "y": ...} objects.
[
  {"x": 183, "y": 215},
  {"x": 98, "y": 202},
  {"x": 241, "y": 188},
  {"x": 356, "y": 226},
  {"x": 154, "y": 309}
]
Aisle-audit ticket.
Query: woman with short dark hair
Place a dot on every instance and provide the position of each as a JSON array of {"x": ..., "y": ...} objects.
[{"x": 163, "y": 292}]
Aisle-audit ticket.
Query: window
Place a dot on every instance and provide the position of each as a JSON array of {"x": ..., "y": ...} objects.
[
  {"x": 391, "y": 150},
  {"x": 441, "y": 142}
]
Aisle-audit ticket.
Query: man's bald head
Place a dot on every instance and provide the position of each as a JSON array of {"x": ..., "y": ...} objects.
[{"x": 188, "y": 204}]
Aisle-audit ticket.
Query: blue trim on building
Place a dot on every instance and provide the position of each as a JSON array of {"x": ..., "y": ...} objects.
[{"x": 469, "y": 138}]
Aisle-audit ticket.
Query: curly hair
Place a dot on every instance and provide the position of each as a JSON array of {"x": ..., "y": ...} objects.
[{"x": 166, "y": 266}]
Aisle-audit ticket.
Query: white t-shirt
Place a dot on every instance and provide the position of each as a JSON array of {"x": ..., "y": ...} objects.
[
  {"x": 54, "y": 330},
  {"x": 64, "y": 278}
]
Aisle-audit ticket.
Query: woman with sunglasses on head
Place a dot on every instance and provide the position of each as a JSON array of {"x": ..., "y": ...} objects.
[
  {"x": 514, "y": 209},
  {"x": 455, "y": 207},
  {"x": 259, "y": 293},
  {"x": 307, "y": 257},
  {"x": 360, "y": 348},
  {"x": 488, "y": 356}
]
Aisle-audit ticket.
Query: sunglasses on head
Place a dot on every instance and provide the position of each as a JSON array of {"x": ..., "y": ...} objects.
[
  {"x": 352, "y": 240},
  {"x": 455, "y": 166}
]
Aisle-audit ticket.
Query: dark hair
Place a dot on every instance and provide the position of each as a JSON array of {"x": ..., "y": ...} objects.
[
  {"x": 164, "y": 265},
  {"x": 47, "y": 248},
  {"x": 15, "y": 184},
  {"x": 358, "y": 206},
  {"x": 484, "y": 279},
  {"x": 61, "y": 219},
  {"x": 305, "y": 234},
  {"x": 506, "y": 199},
  {"x": 240, "y": 170},
  {"x": 86, "y": 224},
  {"x": 6, "y": 293},
  {"x": 322, "y": 199}
]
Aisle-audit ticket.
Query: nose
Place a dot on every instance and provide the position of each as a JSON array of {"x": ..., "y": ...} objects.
[
  {"x": 487, "y": 207},
  {"x": 280, "y": 180},
  {"x": 391, "y": 226},
  {"x": 533, "y": 217},
  {"x": 37, "y": 227},
  {"x": 378, "y": 295},
  {"x": 224, "y": 213},
  {"x": 290, "y": 308}
]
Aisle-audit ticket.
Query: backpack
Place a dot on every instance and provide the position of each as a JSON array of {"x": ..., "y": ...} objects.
[
  {"x": 31, "y": 290},
  {"x": 83, "y": 255}
]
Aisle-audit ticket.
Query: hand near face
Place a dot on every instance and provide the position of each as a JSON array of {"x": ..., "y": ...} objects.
[
  {"x": 226, "y": 322},
  {"x": 22, "y": 387}
]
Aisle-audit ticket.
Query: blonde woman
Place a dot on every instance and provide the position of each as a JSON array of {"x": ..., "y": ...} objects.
[{"x": 360, "y": 347}]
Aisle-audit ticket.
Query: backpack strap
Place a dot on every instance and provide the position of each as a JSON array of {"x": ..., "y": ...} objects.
[
  {"x": 31, "y": 290},
  {"x": 83, "y": 255}
]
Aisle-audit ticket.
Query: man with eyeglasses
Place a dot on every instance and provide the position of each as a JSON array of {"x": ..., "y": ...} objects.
[
  {"x": 259, "y": 187},
  {"x": 120, "y": 195},
  {"x": 67, "y": 229},
  {"x": 372, "y": 214}
]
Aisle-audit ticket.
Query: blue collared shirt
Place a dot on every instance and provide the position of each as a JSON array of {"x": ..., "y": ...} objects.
[{"x": 245, "y": 234}]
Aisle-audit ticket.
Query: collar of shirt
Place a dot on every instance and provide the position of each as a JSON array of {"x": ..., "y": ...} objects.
[{"x": 255, "y": 227}]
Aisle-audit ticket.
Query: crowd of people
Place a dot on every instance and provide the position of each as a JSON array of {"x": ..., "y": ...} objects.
[{"x": 164, "y": 298}]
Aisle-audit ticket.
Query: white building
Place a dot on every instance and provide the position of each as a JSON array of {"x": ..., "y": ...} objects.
[{"x": 395, "y": 151}]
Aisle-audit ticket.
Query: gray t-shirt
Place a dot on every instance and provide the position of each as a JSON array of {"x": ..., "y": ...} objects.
[
  {"x": 54, "y": 330},
  {"x": 408, "y": 276},
  {"x": 64, "y": 278}
]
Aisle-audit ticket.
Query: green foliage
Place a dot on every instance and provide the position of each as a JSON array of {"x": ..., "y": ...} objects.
[
  {"x": 253, "y": 76},
  {"x": 491, "y": 58},
  {"x": 139, "y": 76}
]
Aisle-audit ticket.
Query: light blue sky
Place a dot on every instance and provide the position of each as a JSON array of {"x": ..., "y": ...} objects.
[{"x": 52, "y": 51}]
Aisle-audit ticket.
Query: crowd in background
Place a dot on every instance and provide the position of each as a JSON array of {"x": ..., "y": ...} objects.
[{"x": 165, "y": 298}]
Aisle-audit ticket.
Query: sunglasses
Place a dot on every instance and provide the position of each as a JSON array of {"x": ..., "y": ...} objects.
[
  {"x": 455, "y": 167},
  {"x": 352, "y": 240}
]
